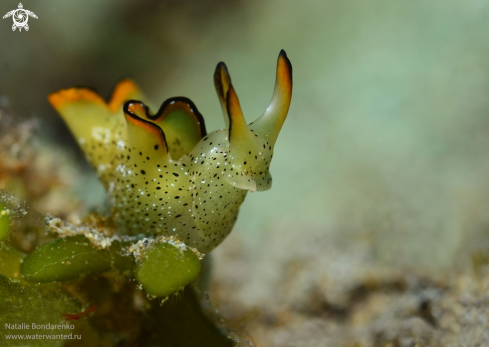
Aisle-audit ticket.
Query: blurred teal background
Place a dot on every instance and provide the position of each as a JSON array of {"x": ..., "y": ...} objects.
[{"x": 387, "y": 138}]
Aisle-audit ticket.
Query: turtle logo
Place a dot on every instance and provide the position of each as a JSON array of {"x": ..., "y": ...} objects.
[{"x": 20, "y": 17}]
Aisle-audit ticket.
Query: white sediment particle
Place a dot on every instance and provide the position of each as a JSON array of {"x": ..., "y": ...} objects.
[
  {"x": 11, "y": 206},
  {"x": 95, "y": 236},
  {"x": 139, "y": 249}
]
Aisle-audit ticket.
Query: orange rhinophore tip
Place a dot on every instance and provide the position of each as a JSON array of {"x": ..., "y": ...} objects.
[
  {"x": 270, "y": 123},
  {"x": 222, "y": 82},
  {"x": 237, "y": 122}
]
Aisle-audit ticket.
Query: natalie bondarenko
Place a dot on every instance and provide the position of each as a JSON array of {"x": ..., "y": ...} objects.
[{"x": 35, "y": 326}]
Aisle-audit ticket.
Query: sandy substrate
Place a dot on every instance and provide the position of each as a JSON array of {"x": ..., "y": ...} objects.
[{"x": 311, "y": 291}]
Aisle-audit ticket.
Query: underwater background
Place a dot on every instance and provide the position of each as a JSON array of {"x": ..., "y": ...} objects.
[{"x": 377, "y": 223}]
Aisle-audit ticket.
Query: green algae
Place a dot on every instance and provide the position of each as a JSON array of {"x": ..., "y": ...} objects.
[
  {"x": 24, "y": 304},
  {"x": 4, "y": 222},
  {"x": 166, "y": 269},
  {"x": 72, "y": 257},
  {"x": 10, "y": 261}
]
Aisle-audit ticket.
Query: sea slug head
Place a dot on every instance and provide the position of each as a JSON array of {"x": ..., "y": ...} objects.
[{"x": 251, "y": 145}]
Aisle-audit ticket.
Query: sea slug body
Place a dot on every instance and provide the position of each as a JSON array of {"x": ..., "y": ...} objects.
[{"x": 163, "y": 173}]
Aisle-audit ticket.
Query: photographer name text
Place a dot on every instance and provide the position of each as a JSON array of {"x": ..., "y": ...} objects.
[{"x": 34, "y": 326}]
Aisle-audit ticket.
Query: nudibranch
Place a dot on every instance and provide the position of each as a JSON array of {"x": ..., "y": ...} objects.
[{"x": 163, "y": 173}]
